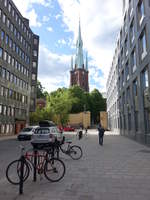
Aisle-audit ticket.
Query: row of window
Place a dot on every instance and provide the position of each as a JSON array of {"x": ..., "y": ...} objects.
[
  {"x": 15, "y": 48},
  {"x": 6, "y": 128},
  {"x": 13, "y": 62},
  {"x": 144, "y": 84},
  {"x": 8, "y": 40},
  {"x": 143, "y": 51},
  {"x": 6, "y": 110},
  {"x": 5, "y": 74},
  {"x": 11, "y": 94},
  {"x": 15, "y": 32},
  {"x": 140, "y": 17},
  {"x": 16, "y": 17}
]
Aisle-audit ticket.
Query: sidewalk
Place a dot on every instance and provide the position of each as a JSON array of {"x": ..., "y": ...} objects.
[{"x": 119, "y": 170}]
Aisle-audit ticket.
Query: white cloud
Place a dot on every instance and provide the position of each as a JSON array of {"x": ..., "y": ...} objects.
[
  {"x": 45, "y": 18},
  {"x": 62, "y": 41},
  {"x": 100, "y": 21},
  {"x": 27, "y": 10},
  {"x": 53, "y": 69},
  {"x": 57, "y": 16},
  {"x": 50, "y": 29}
]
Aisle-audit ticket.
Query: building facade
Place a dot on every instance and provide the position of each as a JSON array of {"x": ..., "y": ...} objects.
[
  {"x": 79, "y": 70},
  {"x": 133, "y": 68},
  {"x": 18, "y": 68}
]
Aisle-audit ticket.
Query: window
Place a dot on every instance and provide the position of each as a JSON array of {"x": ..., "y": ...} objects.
[
  {"x": 4, "y": 110},
  {"x": 122, "y": 78},
  {"x": 7, "y": 75},
  {"x": 9, "y": 59},
  {"x": 34, "y": 77},
  {"x": 35, "y": 41},
  {"x": 143, "y": 45},
  {"x": 16, "y": 17},
  {"x": 5, "y": 55},
  {"x": 2, "y": 35},
  {"x": 141, "y": 11},
  {"x": 5, "y": 3},
  {"x": 130, "y": 7},
  {"x": 145, "y": 82},
  {"x": 135, "y": 88},
  {"x": 126, "y": 48},
  {"x": 3, "y": 73},
  {"x": 8, "y": 23},
  {"x": 4, "y": 18},
  {"x": 10, "y": 43},
  {"x": 9, "y": 7},
  {"x": 125, "y": 24},
  {"x": 13, "y": 62},
  {"x": 12, "y": 111},
  {"x": 0, "y": 109},
  {"x": 132, "y": 32},
  {"x": 6, "y": 40},
  {"x": 2, "y": 91},
  {"x": 127, "y": 71},
  {"x": 1, "y": 52},
  {"x": 34, "y": 64},
  {"x": 35, "y": 53},
  {"x": 15, "y": 31},
  {"x": 133, "y": 60},
  {"x": 11, "y": 27},
  {"x": 13, "y": 12}
]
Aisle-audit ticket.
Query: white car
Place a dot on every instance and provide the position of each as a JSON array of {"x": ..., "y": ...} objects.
[
  {"x": 45, "y": 136},
  {"x": 26, "y": 133}
]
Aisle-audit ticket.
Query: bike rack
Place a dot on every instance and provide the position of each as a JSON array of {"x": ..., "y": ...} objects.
[{"x": 22, "y": 171}]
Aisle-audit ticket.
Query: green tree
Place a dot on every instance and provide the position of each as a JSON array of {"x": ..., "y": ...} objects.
[
  {"x": 60, "y": 104},
  {"x": 40, "y": 90},
  {"x": 78, "y": 99},
  {"x": 97, "y": 104}
]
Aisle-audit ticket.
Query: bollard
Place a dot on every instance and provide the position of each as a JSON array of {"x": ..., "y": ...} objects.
[
  {"x": 21, "y": 175},
  {"x": 35, "y": 165}
]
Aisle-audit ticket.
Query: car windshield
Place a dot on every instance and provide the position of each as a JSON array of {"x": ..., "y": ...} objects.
[
  {"x": 42, "y": 131},
  {"x": 27, "y": 129}
]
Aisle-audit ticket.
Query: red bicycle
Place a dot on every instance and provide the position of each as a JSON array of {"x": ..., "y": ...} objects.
[{"x": 53, "y": 168}]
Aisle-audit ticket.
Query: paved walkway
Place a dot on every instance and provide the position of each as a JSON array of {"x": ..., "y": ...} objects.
[{"x": 120, "y": 170}]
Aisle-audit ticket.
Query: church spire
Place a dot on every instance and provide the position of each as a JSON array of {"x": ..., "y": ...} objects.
[
  {"x": 79, "y": 51},
  {"x": 86, "y": 62},
  {"x": 71, "y": 62}
]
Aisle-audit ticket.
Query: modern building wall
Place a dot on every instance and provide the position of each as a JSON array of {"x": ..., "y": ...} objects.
[
  {"x": 18, "y": 68},
  {"x": 133, "y": 67}
]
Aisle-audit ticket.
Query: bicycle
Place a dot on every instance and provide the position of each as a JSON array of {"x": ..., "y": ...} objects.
[
  {"x": 53, "y": 168},
  {"x": 74, "y": 151}
]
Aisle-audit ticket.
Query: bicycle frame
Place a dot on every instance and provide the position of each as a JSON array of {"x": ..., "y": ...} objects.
[
  {"x": 66, "y": 151},
  {"x": 41, "y": 159}
]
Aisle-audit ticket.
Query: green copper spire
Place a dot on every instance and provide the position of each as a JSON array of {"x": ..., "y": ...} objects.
[
  {"x": 86, "y": 62},
  {"x": 79, "y": 51},
  {"x": 71, "y": 62}
]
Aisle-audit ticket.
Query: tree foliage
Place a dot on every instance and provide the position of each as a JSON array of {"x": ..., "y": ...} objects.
[{"x": 64, "y": 101}]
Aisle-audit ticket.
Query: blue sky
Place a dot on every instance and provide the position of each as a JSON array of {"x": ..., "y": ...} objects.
[{"x": 56, "y": 22}]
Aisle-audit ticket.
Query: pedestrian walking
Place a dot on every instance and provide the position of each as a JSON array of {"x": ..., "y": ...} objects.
[{"x": 100, "y": 134}]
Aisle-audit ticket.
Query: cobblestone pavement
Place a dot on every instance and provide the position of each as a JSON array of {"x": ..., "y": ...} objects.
[{"x": 119, "y": 170}]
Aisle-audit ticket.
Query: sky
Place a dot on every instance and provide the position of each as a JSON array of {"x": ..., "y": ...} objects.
[{"x": 57, "y": 21}]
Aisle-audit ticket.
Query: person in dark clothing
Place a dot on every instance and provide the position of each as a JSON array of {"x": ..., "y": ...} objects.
[{"x": 100, "y": 134}]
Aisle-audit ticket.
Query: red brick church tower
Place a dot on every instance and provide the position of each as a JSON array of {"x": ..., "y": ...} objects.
[{"x": 79, "y": 70}]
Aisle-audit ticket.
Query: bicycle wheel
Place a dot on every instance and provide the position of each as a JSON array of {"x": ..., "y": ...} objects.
[
  {"x": 13, "y": 172},
  {"x": 75, "y": 152},
  {"x": 54, "y": 169}
]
